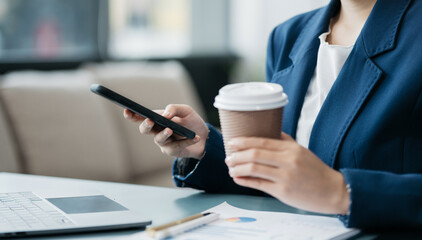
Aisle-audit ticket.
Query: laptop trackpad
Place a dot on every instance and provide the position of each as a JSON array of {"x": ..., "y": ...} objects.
[{"x": 86, "y": 204}]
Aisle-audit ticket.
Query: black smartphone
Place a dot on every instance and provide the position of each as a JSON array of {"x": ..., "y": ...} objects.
[{"x": 142, "y": 111}]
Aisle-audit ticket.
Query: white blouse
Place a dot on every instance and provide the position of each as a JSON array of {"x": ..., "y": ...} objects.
[{"x": 330, "y": 61}]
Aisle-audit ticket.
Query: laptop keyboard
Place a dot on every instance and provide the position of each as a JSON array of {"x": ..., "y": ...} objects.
[{"x": 25, "y": 210}]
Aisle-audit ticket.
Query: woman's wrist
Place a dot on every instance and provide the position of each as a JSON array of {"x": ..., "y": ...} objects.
[{"x": 342, "y": 196}]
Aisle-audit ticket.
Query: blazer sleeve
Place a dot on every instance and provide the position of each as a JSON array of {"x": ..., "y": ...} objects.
[
  {"x": 210, "y": 173},
  {"x": 383, "y": 199}
]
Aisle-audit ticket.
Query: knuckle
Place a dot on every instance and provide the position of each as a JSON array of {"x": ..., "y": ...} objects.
[
  {"x": 160, "y": 139},
  {"x": 295, "y": 162},
  {"x": 187, "y": 107},
  {"x": 252, "y": 168},
  {"x": 170, "y": 107},
  {"x": 184, "y": 106},
  {"x": 294, "y": 150},
  {"x": 144, "y": 127},
  {"x": 255, "y": 153},
  {"x": 157, "y": 142}
]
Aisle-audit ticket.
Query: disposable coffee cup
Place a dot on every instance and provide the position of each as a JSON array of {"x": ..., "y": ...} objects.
[{"x": 253, "y": 109}]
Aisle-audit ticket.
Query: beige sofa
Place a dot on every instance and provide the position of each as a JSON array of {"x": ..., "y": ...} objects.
[{"x": 51, "y": 124}]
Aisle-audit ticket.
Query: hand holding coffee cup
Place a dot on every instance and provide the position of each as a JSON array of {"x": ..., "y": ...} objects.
[{"x": 253, "y": 109}]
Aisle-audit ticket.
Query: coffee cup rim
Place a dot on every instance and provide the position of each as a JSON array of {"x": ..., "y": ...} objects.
[{"x": 269, "y": 96}]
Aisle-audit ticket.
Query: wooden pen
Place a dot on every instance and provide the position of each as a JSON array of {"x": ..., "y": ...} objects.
[
  {"x": 183, "y": 225},
  {"x": 152, "y": 230}
]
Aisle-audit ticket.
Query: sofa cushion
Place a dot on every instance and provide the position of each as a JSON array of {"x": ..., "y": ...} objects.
[
  {"x": 8, "y": 149},
  {"x": 62, "y": 128}
]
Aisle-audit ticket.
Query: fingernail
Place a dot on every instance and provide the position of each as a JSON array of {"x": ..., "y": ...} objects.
[
  {"x": 166, "y": 133},
  {"x": 196, "y": 139},
  {"x": 166, "y": 113},
  {"x": 229, "y": 159}
]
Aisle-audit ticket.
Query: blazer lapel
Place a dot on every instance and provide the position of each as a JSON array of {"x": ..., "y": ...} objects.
[
  {"x": 295, "y": 78},
  {"x": 357, "y": 78}
]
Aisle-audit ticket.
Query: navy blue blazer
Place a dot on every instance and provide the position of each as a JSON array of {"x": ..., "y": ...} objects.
[{"x": 370, "y": 125}]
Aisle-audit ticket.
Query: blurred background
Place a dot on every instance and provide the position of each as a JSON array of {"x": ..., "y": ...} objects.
[{"x": 154, "y": 51}]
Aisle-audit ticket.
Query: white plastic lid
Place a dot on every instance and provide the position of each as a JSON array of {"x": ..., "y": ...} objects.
[{"x": 251, "y": 96}]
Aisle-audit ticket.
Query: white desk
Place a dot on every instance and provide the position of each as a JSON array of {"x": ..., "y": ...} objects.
[{"x": 160, "y": 204}]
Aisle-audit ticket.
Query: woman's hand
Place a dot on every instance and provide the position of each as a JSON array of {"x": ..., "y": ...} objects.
[
  {"x": 289, "y": 172},
  {"x": 174, "y": 145}
]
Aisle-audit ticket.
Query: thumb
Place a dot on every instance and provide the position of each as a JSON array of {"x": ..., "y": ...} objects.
[
  {"x": 286, "y": 137},
  {"x": 176, "y": 110}
]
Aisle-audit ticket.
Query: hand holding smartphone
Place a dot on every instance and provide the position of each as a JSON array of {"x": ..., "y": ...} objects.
[{"x": 142, "y": 111}]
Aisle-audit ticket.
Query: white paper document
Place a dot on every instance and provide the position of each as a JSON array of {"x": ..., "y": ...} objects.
[{"x": 236, "y": 223}]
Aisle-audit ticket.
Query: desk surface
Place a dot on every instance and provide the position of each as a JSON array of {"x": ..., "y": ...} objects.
[{"x": 159, "y": 204}]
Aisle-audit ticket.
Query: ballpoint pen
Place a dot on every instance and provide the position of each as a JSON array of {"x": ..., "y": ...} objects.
[{"x": 182, "y": 225}]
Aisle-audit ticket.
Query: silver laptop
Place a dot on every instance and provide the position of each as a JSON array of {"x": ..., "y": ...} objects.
[{"x": 27, "y": 214}]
